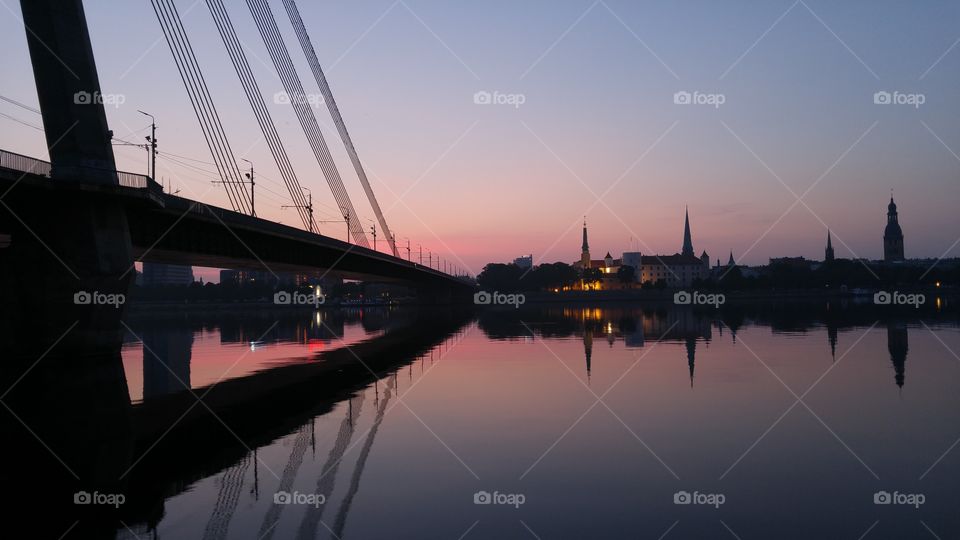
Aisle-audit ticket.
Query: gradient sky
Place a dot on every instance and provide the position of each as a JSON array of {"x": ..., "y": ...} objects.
[{"x": 483, "y": 183}]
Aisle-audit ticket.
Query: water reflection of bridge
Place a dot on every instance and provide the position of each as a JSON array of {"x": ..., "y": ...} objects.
[
  {"x": 156, "y": 449},
  {"x": 167, "y": 343}
]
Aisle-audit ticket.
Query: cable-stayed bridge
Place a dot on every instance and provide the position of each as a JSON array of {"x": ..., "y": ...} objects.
[{"x": 75, "y": 223}]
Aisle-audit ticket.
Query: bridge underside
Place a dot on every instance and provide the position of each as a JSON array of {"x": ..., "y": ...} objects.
[
  {"x": 58, "y": 238},
  {"x": 189, "y": 233},
  {"x": 175, "y": 230}
]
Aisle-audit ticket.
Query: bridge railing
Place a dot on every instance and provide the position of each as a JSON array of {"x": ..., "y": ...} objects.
[{"x": 26, "y": 164}]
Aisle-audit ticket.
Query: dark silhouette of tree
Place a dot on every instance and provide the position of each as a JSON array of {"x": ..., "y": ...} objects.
[{"x": 500, "y": 277}]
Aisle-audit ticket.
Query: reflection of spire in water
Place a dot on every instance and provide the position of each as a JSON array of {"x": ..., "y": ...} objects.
[
  {"x": 588, "y": 348},
  {"x": 328, "y": 474},
  {"x": 231, "y": 483},
  {"x": 361, "y": 463},
  {"x": 897, "y": 345},
  {"x": 691, "y": 355},
  {"x": 832, "y": 340},
  {"x": 286, "y": 482}
]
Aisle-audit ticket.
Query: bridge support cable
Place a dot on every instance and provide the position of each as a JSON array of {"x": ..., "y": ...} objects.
[
  {"x": 252, "y": 90},
  {"x": 267, "y": 25},
  {"x": 311, "y": 55},
  {"x": 202, "y": 103}
]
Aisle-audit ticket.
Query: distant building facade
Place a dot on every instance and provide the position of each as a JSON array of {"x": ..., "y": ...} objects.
[
  {"x": 677, "y": 270},
  {"x": 524, "y": 262},
  {"x": 284, "y": 279},
  {"x": 155, "y": 274},
  {"x": 892, "y": 235}
]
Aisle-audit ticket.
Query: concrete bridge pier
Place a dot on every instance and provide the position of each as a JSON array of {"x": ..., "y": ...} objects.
[
  {"x": 64, "y": 276},
  {"x": 68, "y": 264},
  {"x": 64, "y": 259}
]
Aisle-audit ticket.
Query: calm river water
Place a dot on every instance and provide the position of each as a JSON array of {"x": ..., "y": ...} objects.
[{"x": 580, "y": 421}]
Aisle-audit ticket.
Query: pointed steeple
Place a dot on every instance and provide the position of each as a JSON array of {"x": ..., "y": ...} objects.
[
  {"x": 687, "y": 241},
  {"x": 828, "y": 253},
  {"x": 585, "y": 247},
  {"x": 730, "y": 261},
  {"x": 892, "y": 234}
]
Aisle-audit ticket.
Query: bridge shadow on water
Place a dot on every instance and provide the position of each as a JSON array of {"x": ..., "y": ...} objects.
[{"x": 70, "y": 425}]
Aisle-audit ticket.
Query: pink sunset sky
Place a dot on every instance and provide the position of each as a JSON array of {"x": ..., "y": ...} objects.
[{"x": 588, "y": 123}]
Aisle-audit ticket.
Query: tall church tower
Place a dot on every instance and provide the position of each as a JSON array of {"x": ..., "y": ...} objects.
[
  {"x": 828, "y": 253},
  {"x": 585, "y": 249},
  {"x": 892, "y": 235},
  {"x": 687, "y": 242}
]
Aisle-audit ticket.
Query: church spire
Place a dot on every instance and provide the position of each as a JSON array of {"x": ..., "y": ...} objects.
[
  {"x": 828, "y": 252},
  {"x": 687, "y": 242},
  {"x": 892, "y": 235},
  {"x": 585, "y": 247}
]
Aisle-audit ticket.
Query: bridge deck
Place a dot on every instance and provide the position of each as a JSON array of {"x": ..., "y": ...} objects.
[{"x": 170, "y": 229}]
